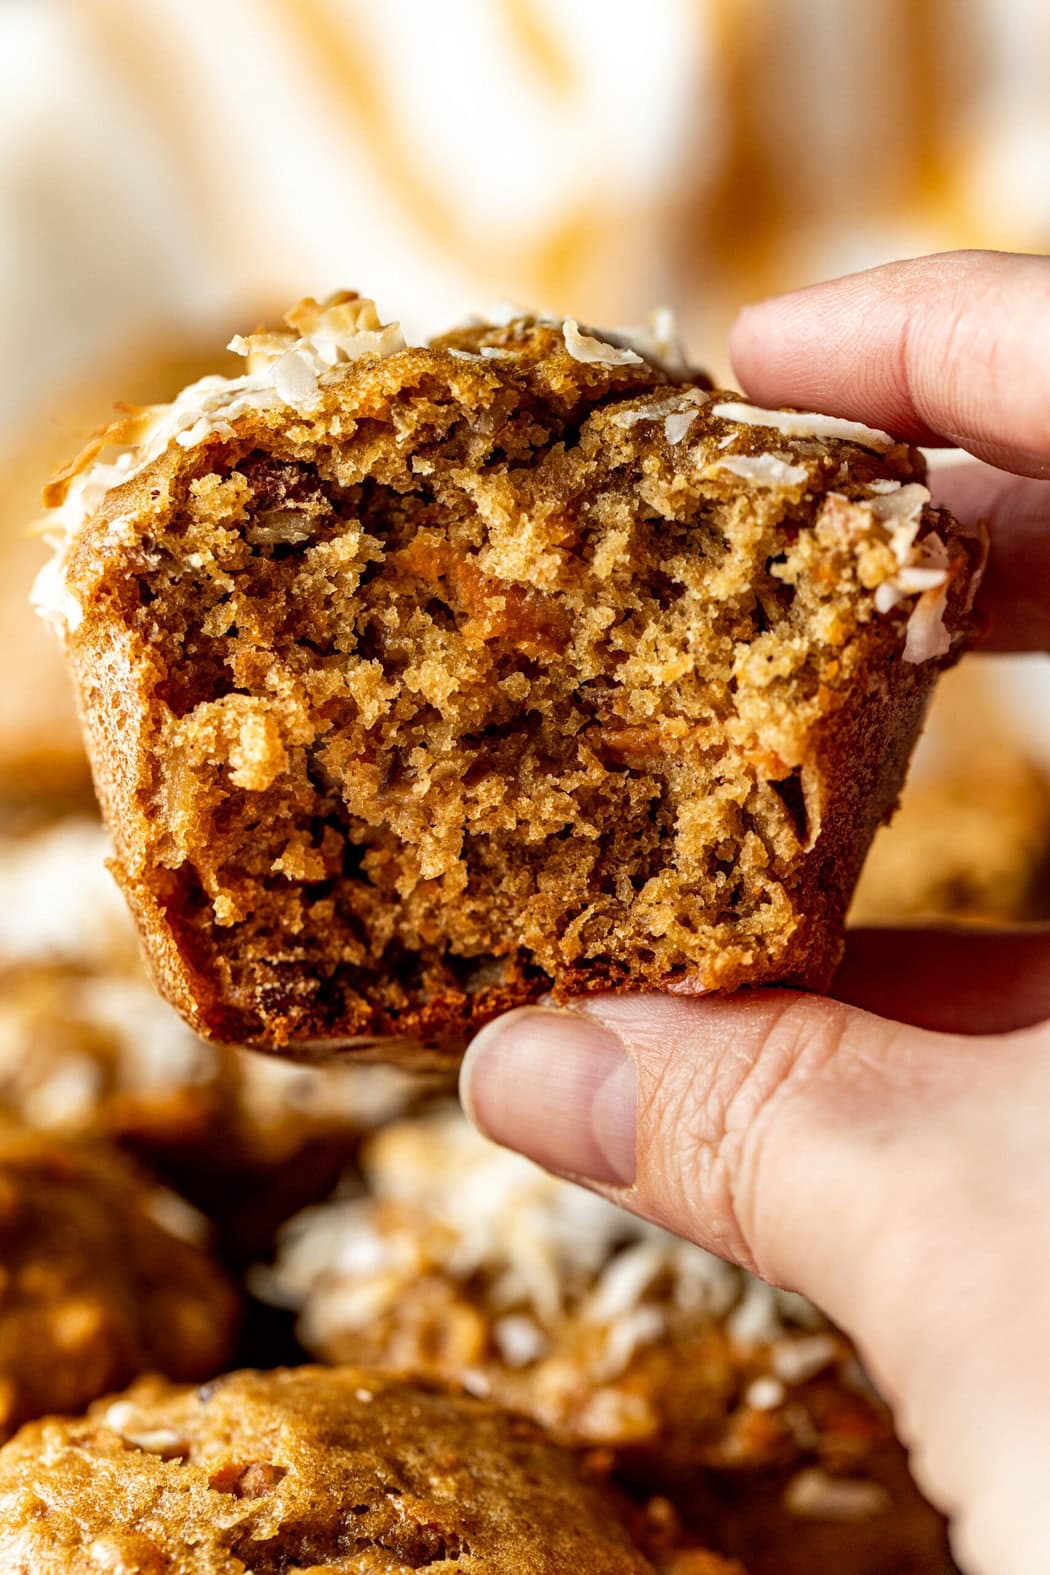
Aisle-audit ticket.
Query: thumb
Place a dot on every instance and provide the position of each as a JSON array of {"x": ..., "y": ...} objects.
[
  {"x": 759, "y": 1126},
  {"x": 898, "y": 1177}
]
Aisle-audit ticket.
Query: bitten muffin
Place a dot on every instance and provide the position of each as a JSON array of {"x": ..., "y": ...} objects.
[
  {"x": 306, "y": 1469},
  {"x": 101, "y": 1280},
  {"x": 419, "y": 681}
]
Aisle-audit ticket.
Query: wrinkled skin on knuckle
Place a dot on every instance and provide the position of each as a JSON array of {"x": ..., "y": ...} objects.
[{"x": 708, "y": 1118}]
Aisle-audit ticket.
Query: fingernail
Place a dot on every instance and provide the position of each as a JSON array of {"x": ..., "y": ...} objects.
[{"x": 558, "y": 1087}]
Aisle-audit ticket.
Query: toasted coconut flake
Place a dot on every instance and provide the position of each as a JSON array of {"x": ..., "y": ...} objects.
[
  {"x": 765, "y": 1394},
  {"x": 681, "y": 406},
  {"x": 657, "y": 340},
  {"x": 676, "y": 425},
  {"x": 520, "y": 1339},
  {"x": 797, "y": 423},
  {"x": 928, "y": 636},
  {"x": 294, "y": 379},
  {"x": 444, "y": 1200},
  {"x": 814, "y": 1495},
  {"x": 764, "y": 470},
  {"x": 594, "y": 351},
  {"x": 281, "y": 369},
  {"x": 793, "y": 1361}
]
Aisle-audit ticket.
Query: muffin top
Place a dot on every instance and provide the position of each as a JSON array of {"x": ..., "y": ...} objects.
[
  {"x": 99, "y": 1282},
  {"x": 306, "y": 1469}
]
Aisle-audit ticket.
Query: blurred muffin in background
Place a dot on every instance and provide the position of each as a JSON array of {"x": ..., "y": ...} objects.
[
  {"x": 970, "y": 842},
  {"x": 463, "y": 1261},
  {"x": 105, "y": 1276}
]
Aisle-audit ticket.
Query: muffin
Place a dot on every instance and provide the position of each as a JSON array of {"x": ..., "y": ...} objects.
[
  {"x": 971, "y": 840},
  {"x": 467, "y": 1262},
  {"x": 345, "y": 1471},
  {"x": 420, "y": 681},
  {"x": 695, "y": 1381},
  {"x": 104, "y": 1277},
  {"x": 61, "y": 398}
]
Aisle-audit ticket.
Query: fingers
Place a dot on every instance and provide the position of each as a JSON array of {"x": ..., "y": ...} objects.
[
  {"x": 950, "y": 348},
  {"x": 1015, "y": 592},
  {"x": 897, "y": 1177},
  {"x": 951, "y": 981},
  {"x": 695, "y": 1114}
]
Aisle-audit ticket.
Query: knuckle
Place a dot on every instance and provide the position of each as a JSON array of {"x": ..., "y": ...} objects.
[
  {"x": 769, "y": 1112},
  {"x": 706, "y": 1120}
]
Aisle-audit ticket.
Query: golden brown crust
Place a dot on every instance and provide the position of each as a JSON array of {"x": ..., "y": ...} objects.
[
  {"x": 337, "y": 1470},
  {"x": 512, "y": 482},
  {"x": 96, "y": 1287}
]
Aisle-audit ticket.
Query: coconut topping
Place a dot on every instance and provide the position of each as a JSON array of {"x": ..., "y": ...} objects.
[
  {"x": 589, "y": 348},
  {"x": 58, "y": 901},
  {"x": 797, "y": 423},
  {"x": 765, "y": 1394},
  {"x": 815, "y": 1495},
  {"x": 445, "y": 1200},
  {"x": 677, "y": 413},
  {"x": 284, "y": 368},
  {"x": 765, "y": 470}
]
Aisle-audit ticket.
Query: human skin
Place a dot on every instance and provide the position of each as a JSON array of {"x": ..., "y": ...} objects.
[{"x": 884, "y": 1152}]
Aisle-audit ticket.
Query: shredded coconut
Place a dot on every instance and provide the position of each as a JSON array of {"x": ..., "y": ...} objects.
[
  {"x": 795, "y": 423},
  {"x": 680, "y": 409},
  {"x": 815, "y": 1495},
  {"x": 677, "y": 425},
  {"x": 58, "y": 901},
  {"x": 765, "y": 470},
  {"x": 765, "y": 1394},
  {"x": 794, "y": 1361},
  {"x": 281, "y": 369},
  {"x": 592, "y": 350},
  {"x": 656, "y": 340},
  {"x": 882, "y": 484},
  {"x": 520, "y": 1339},
  {"x": 445, "y": 1200},
  {"x": 927, "y": 634},
  {"x": 754, "y": 1320}
]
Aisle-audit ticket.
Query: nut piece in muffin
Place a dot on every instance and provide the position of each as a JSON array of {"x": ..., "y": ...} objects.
[
  {"x": 102, "y": 1279},
  {"x": 419, "y": 681},
  {"x": 318, "y": 1469}
]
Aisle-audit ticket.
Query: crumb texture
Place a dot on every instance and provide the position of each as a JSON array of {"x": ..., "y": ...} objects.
[
  {"x": 314, "y": 1469},
  {"x": 421, "y": 681}
]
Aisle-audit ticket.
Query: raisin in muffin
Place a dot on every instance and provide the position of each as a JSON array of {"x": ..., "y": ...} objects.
[
  {"x": 302, "y": 1469},
  {"x": 103, "y": 1278},
  {"x": 419, "y": 681}
]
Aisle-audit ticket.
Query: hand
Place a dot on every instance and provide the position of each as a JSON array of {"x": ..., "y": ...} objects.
[{"x": 895, "y": 1168}]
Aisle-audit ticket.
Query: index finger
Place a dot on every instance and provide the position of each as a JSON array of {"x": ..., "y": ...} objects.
[{"x": 945, "y": 349}]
